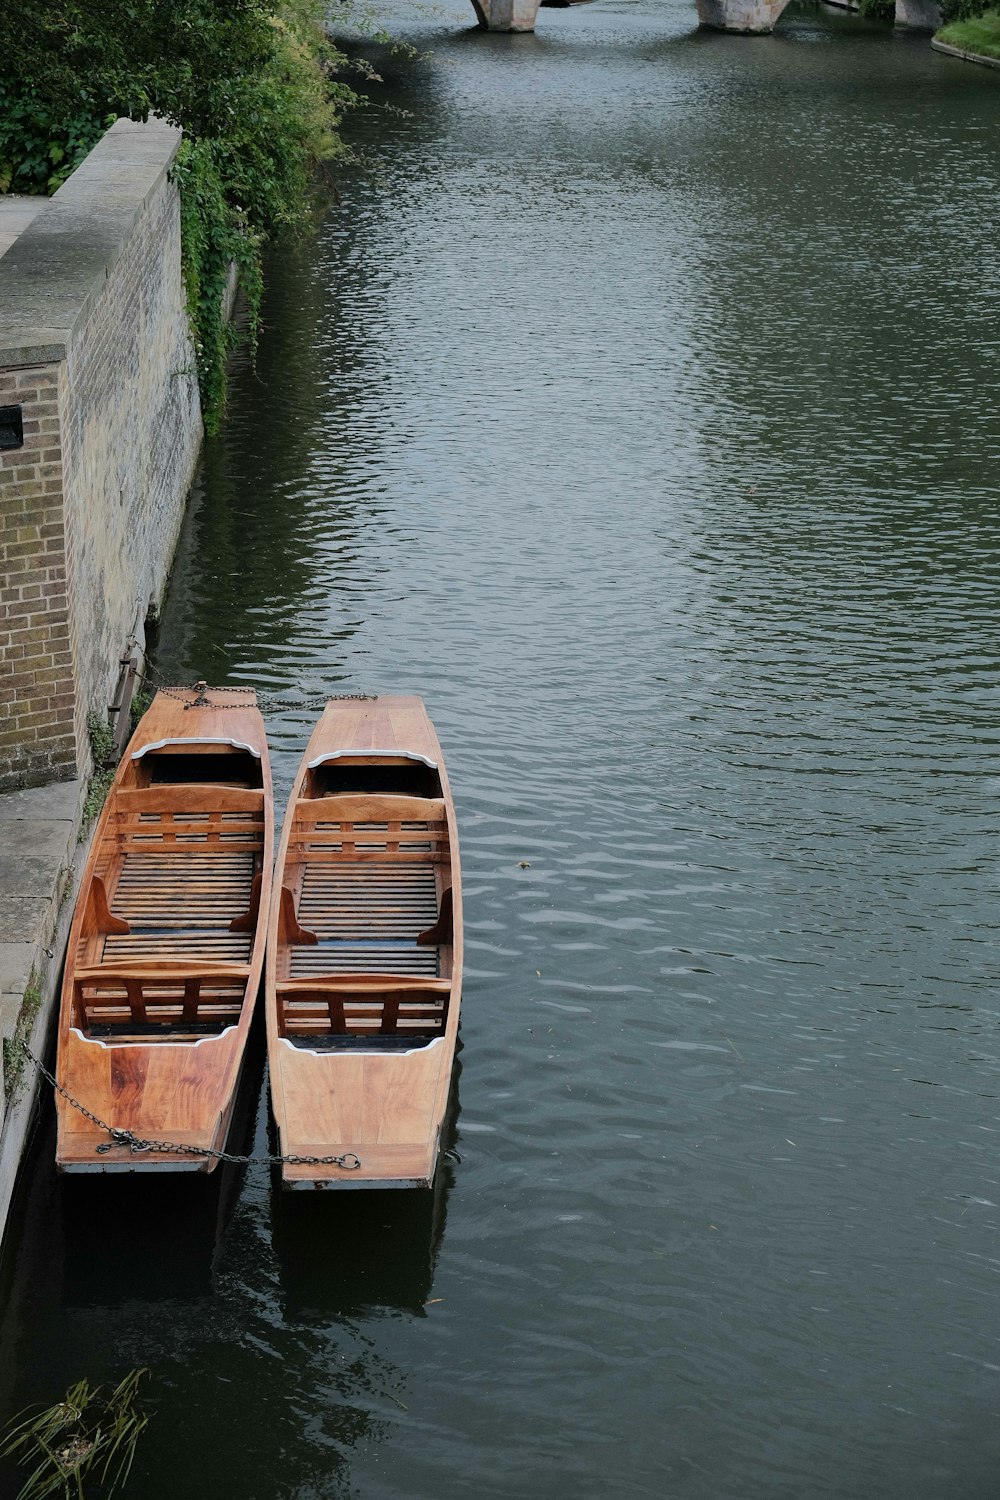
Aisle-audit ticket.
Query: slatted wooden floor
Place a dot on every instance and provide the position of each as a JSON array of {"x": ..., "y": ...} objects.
[
  {"x": 180, "y": 905},
  {"x": 367, "y": 917}
]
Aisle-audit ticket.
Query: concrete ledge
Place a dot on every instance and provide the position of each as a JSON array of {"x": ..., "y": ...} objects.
[
  {"x": 973, "y": 57},
  {"x": 57, "y": 265},
  {"x": 16, "y": 212},
  {"x": 41, "y": 859}
]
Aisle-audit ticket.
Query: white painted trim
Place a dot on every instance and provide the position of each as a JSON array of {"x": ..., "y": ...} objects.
[
  {"x": 359, "y": 1051},
  {"x": 194, "y": 740},
  {"x": 321, "y": 760},
  {"x": 96, "y": 1041}
]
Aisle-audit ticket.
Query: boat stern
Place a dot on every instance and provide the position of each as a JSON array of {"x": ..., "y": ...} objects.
[{"x": 382, "y": 1167}]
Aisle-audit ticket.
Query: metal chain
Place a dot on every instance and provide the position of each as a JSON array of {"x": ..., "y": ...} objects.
[
  {"x": 266, "y": 702},
  {"x": 348, "y": 1161}
]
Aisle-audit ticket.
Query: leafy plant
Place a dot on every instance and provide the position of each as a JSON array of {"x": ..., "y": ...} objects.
[
  {"x": 255, "y": 86},
  {"x": 86, "y": 1434},
  {"x": 141, "y": 701},
  {"x": 971, "y": 10},
  {"x": 37, "y": 152},
  {"x": 250, "y": 179},
  {"x": 13, "y": 1055},
  {"x": 102, "y": 746}
]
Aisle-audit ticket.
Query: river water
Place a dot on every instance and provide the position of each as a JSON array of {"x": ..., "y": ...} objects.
[{"x": 637, "y": 406}]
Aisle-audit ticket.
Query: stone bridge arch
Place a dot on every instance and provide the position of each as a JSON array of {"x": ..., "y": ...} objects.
[{"x": 748, "y": 17}]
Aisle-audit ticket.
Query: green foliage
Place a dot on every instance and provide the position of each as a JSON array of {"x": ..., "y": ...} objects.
[
  {"x": 187, "y": 59},
  {"x": 214, "y": 236},
  {"x": 253, "y": 85},
  {"x": 102, "y": 746},
  {"x": 13, "y": 1054},
  {"x": 141, "y": 701},
  {"x": 87, "y": 1435},
  {"x": 979, "y": 28},
  {"x": 38, "y": 153},
  {"x": 251, "y": 179},
  {"x": 877, "y": 10}
]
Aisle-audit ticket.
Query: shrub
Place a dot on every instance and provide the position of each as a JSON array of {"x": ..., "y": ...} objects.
[
  {"x": 38, "y": 153},
  {"x": 253, "y": 85}
]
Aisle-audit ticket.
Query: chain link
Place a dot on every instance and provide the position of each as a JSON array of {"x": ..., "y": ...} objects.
[
  {"x": 151, "y": 677},
  {"x": 136, "y": 1145},
  {"x": 266, "y": 702}
]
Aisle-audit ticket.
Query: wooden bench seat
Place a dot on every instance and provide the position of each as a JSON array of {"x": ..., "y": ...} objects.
[
  {"x": 359, "y": 829},
  {"x": 364, "y": 917},
  {"x": 363, "y": 1005},
  {"x": 197, "y": 817},
  {"x": 159, "y": 997},
  {"x": 183, "y": 904}
]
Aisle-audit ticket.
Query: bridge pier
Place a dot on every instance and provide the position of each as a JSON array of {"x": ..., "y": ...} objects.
[
  {"x": 753, "y": 17},
  {"x": 506, "y": 15},
  {"x": 919, "y": 15}
]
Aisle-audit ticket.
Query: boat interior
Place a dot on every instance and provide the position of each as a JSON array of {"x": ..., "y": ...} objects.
[
  {"x": 364, "y": 954},
  {"x": 165, "y": 946}
]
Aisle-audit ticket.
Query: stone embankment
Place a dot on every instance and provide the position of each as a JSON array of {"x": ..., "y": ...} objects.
[
  {"x": 940, "y": 45},
  {"x": 100, "y": 430}
]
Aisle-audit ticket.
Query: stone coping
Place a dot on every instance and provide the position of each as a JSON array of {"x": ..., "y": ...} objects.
[
  {"x": 16, "y": 212},
  {"x": 61, "y": 260},
  {"x": 973, "y": 57}
]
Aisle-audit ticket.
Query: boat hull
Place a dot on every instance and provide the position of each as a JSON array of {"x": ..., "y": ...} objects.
[
  {"x": 166, "y": 949},
  {"x": 372, "y": 1092}
]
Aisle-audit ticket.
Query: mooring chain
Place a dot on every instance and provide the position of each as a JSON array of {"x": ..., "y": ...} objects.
[
  {"x": 153, "y": 678},
  {"x": 349, "y": 1162},
  {"x": 267, "y": 702}
]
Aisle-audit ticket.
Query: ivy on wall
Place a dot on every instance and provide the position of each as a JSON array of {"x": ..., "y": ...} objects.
[
  {"x": 215, "y": 237},
  {"x": 249, "y": 180}
]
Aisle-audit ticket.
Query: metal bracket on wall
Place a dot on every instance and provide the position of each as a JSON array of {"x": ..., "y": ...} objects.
[{"x": 118, "y": 711}]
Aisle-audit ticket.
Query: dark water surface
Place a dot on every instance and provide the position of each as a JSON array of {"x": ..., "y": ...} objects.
[{"x": 638, "y": 407}]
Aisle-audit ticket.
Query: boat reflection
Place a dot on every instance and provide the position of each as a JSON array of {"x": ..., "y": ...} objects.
[{"x": 344, "y": 1254}]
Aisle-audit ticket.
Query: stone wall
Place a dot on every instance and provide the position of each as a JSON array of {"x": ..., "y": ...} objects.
[{"x": 96, "y": 356}]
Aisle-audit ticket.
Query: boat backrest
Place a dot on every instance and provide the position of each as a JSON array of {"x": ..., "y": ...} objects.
[
  {"x": 363, "y": 1005},
  {"x": 196, "y": 817},
  {"x": 164, "y": 994},
  {"x": 357, "y": 828}
]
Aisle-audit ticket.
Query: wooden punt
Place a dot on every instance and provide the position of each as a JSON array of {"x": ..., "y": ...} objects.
[
  {"x": 364, "y": 965},
  {"x": 166, "y": 949}
]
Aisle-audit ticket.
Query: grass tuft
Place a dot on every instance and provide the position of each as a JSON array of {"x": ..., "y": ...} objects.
[{"x": 86, "y": 1436}]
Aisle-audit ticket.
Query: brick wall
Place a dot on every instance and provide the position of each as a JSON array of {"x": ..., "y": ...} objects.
[
  {"x": 94, "y": 349},
  {"x": 36, "y": 678}
]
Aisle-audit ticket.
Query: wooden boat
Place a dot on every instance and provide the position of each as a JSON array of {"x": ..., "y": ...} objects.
[
  {"x": 364, "y": 966},
  {"x": 166, "y": 950}
]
